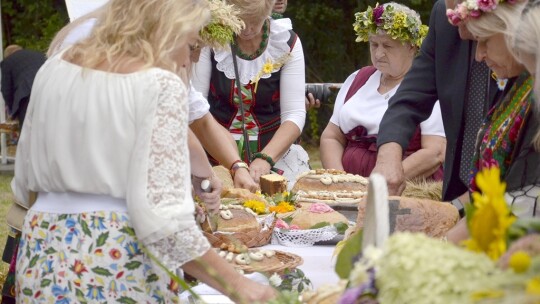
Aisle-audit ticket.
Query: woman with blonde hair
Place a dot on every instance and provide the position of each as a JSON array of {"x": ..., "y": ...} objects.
[
  {"x": 505, "y": 138},
  {"x": 105, "y": 149},
  {"x": 266, "y": 65}
]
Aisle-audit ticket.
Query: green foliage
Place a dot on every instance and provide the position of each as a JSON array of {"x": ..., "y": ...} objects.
[
  {"x": 345, "y": 258},
  {"x": 32, "y": 24}
]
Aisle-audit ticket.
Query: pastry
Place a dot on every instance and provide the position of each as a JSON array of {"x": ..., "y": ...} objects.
[{"x": 272, "y": 184}]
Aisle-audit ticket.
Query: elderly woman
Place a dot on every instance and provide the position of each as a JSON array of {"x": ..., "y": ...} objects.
[
  {"x": 269, "y": 68},
  {"x": 105, "y": 145},
  {"x": 506, "y": 137},
  {"x": 394, "y": 33}
]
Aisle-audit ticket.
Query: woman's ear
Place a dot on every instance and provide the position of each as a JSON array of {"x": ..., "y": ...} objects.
[{"x": 413, "y": 49}]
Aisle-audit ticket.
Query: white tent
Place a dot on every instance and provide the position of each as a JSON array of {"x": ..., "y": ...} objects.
[{"x": 78, "y": 8}]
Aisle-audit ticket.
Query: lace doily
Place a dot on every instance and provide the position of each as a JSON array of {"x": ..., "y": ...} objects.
[
  {"x": 303, "y": 238},
  {"x": 248, "y": 69}
]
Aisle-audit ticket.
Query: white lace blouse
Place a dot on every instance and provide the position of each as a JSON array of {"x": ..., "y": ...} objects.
[{"x": 122, "y": 135}]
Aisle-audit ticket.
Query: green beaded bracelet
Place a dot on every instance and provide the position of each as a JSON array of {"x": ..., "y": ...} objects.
[{"x": 264, "y": 156}]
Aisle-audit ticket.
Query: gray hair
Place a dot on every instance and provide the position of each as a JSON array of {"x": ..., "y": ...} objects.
[{"x": 525, "y": 41}]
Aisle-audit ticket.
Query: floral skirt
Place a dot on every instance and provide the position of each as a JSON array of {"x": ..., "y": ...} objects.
[{"x": 87, "y": 258}]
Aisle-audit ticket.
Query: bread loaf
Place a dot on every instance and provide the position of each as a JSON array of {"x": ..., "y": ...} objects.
[
  {"x": 416, "y": 215},
  {"x": 306, "y": 217},
  {"x": 224, "y": 175},
  {"x": 330, "y": 180},
  {"x": 241, "y": 194},
  {"x": 241, "y": 221},
  {"x": 272, "y": 184}
]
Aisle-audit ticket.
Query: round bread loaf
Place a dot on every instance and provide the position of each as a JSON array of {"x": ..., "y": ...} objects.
[
  {"x": 225, "y": 176},
  {"x": 305, "y": 219},
  {"x": 330, "y": 180},
  {"x": 241, "y": 221},
  {"x": 416, "y": 215}
]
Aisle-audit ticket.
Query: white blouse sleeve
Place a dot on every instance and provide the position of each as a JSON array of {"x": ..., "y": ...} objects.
[
  {"x": 292, "y": 88},
  {"x": 198, "y": 105},
  {"x": 202, "y": 71},
  {"x": 340, "y": 98},
  {"x": 158, "y": 192},
  {"x": 434, "y": 124},
  {"x": 20, "y": 182}
]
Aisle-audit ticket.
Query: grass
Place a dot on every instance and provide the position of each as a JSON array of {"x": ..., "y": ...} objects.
[{"x": 314, "y": 157}]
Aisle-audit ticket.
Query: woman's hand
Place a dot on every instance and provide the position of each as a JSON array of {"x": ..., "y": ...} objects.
[
  {"x": 242, "y": 179},
  {"x": 249, "y": 291},
  {"x": 311, "y": 102},
  {"x": 390, "y": 166},
  {"x": 258, "y": 168},
  {"x": 212, "y": 199}
]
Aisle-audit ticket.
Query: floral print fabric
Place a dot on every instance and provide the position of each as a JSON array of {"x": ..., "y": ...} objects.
[
  {"x": 87, "y": 258},
  {"x": 502, "y": 128}
]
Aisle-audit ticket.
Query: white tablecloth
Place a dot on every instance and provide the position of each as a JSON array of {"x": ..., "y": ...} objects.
[{"x": 318, "y": 266}]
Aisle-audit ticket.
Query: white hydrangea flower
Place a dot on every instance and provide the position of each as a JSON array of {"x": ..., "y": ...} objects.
[
  {"x": 416, "y": 269},
  {"x": 275, "y": 280}
]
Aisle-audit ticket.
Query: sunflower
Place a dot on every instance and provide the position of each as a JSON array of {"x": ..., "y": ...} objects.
[
  {"x": 282, "y": 207},
  {"x": 490, "y": 217},
  {"x": 257, "y": 206}
]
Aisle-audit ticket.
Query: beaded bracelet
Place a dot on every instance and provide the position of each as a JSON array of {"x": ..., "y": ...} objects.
[{"x": 264, "y": 156}]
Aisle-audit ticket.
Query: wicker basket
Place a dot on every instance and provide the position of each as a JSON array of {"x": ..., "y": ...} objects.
[
  {"x": 279, "y": 263},
  {"x": 252, "y": 238}
]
